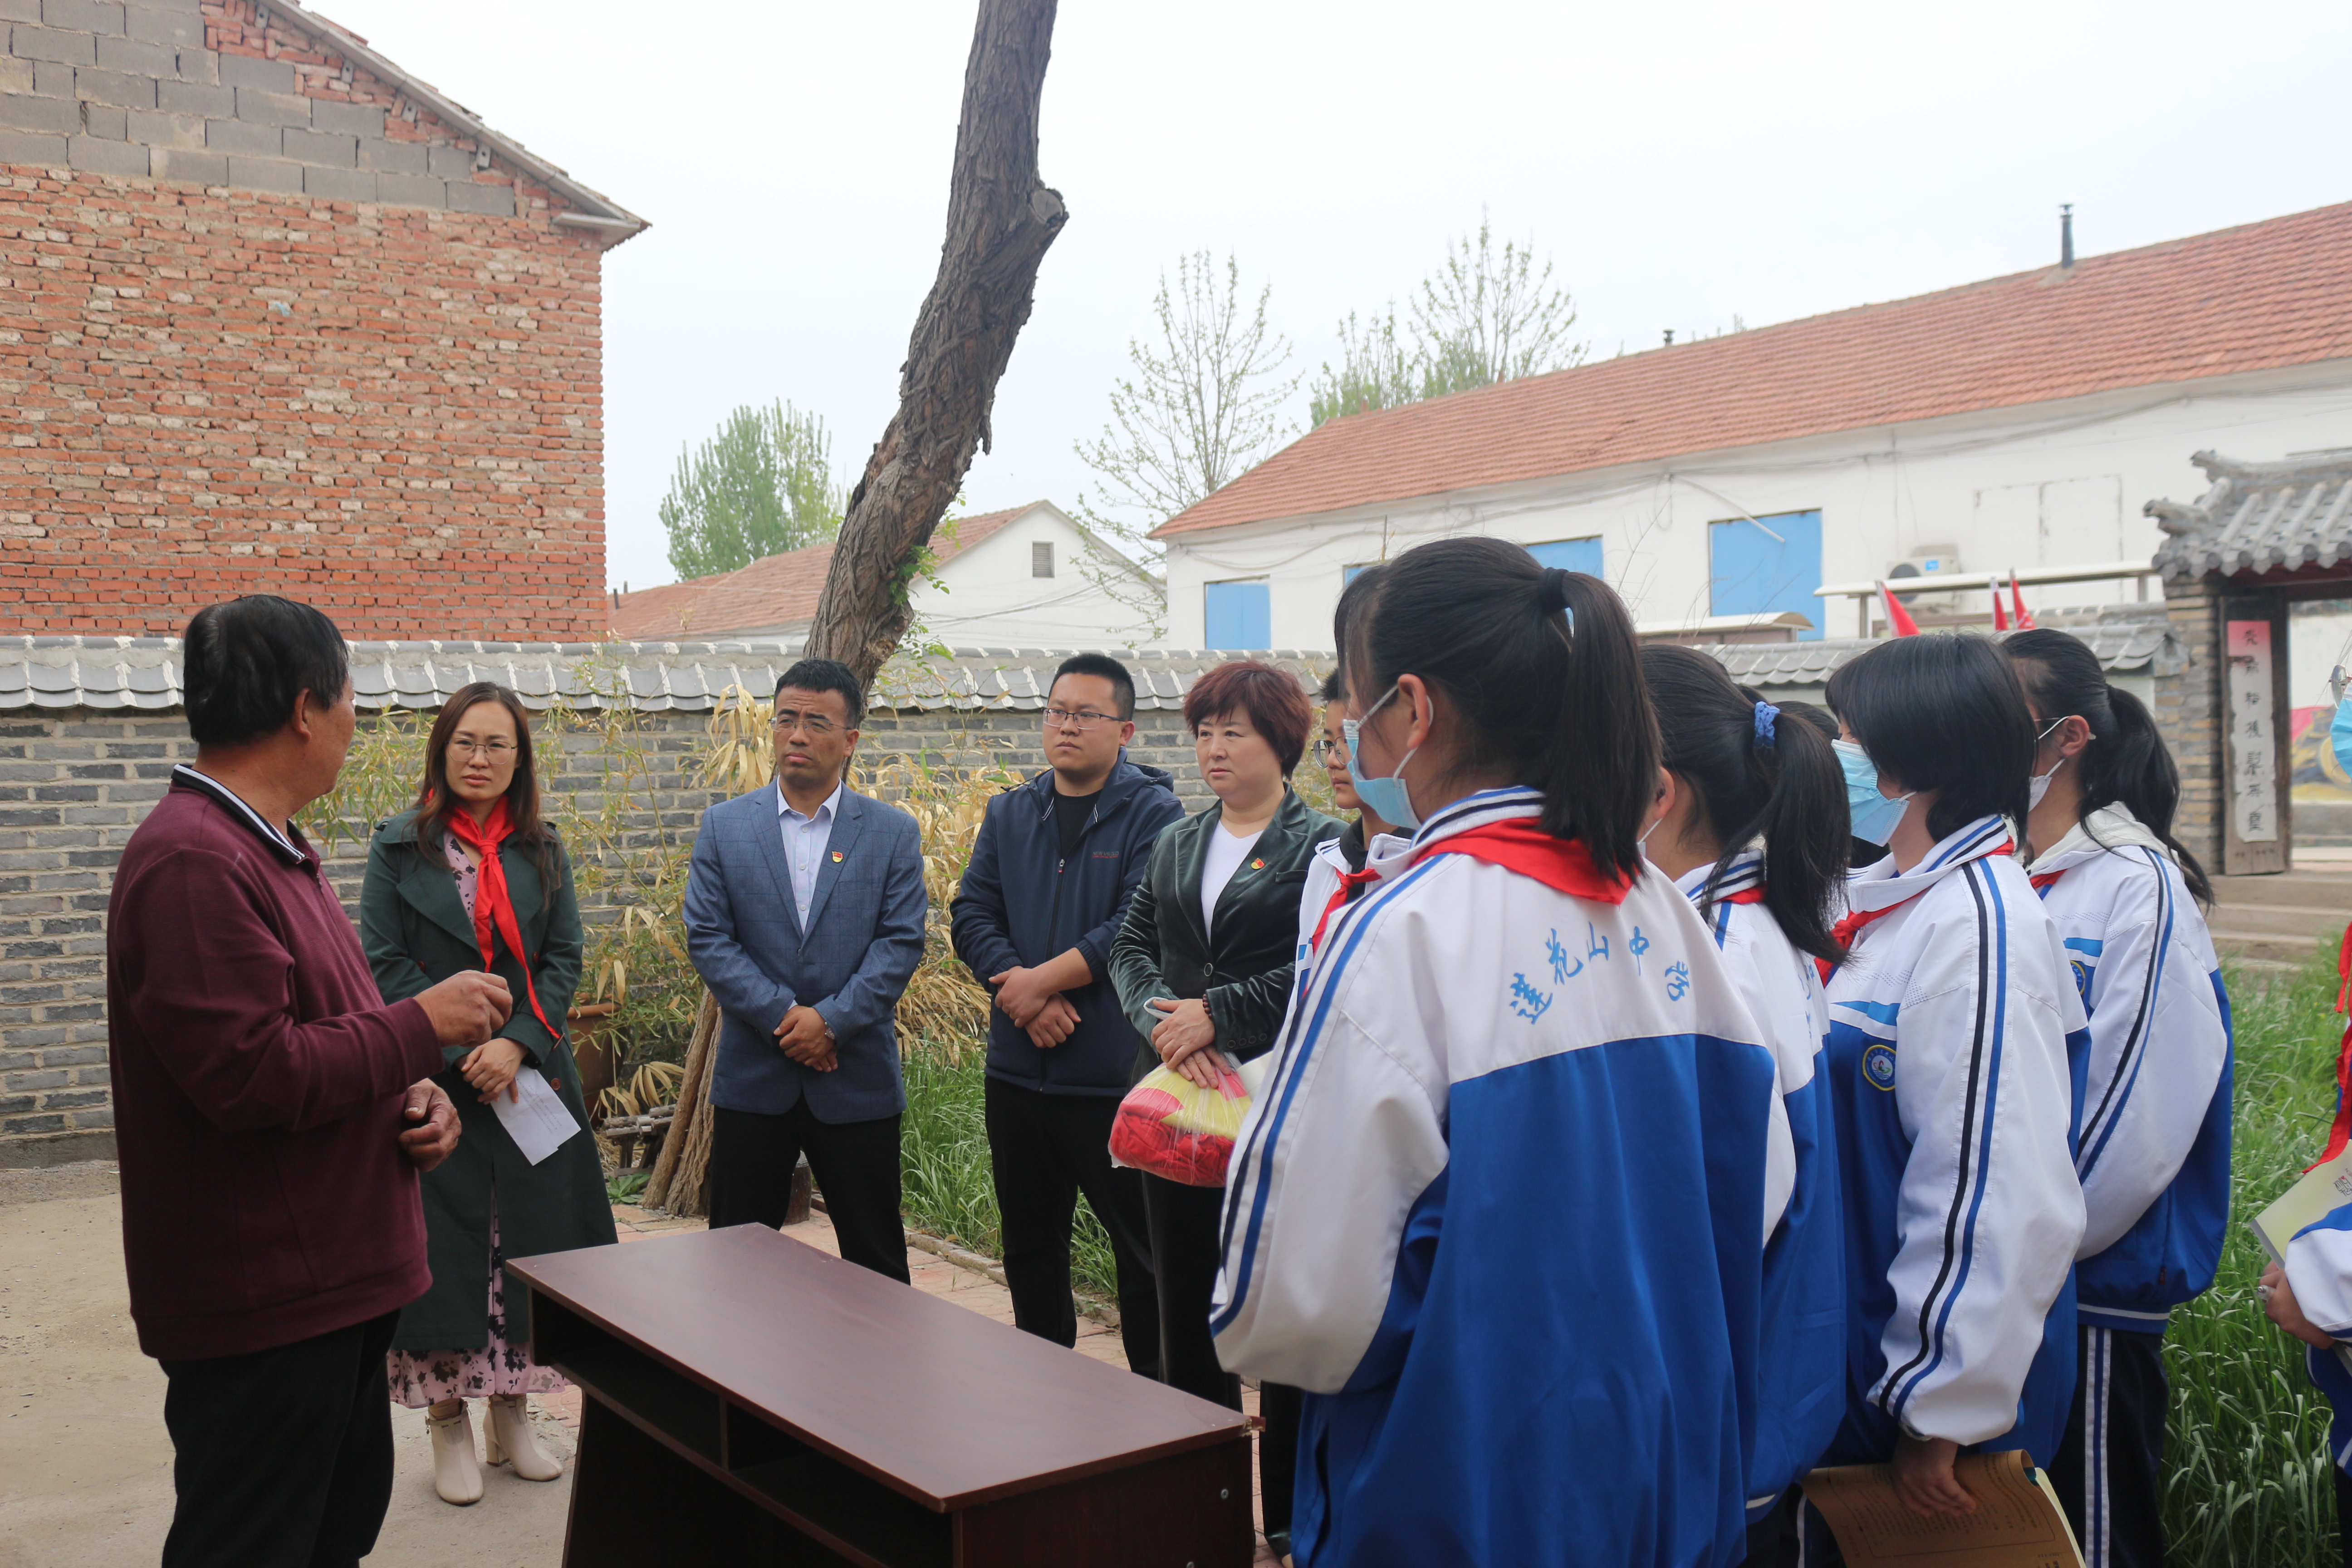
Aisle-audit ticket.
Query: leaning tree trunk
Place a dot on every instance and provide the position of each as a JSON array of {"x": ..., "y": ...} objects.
[{"x": 1001, "y": 218}]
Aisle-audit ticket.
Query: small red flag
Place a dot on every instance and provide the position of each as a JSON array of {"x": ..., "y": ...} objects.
[
  {"x": 2000, "y": 616},
  {"x": 2017, "y": 599},
  {"x": 1898, "y": 619}
]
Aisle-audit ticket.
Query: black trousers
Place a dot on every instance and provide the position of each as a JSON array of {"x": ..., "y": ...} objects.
[
  {"x": 856, "y": 1164},
  {"x": 1046, "y": 1149},
  {"x": 2344, "y": 1512},
  {"x": 1183, "y": 1223},
  {"x": 2104, "y": 1473},
  {"x": 282, "y": 1457}
]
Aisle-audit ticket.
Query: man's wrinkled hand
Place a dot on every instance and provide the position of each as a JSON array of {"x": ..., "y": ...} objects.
[
  {"x": 806, "y": 1040},
  {"x": 433, "y": 1135},
  {"x": 1052, "y": 1024},
  {"x": 468, "y": 1007}
]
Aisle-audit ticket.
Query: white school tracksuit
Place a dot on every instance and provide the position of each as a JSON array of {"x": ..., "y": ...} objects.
[
  {"x": 1801, "y": 1381},
  {"x": 1955, "y": 1036},
  {"x": 1572, "y": 1094},
  {"x": 2152, "y": 1152}
]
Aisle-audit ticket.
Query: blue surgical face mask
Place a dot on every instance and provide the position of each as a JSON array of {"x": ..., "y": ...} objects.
[
  {"x": 1387, "y": 798},
  {"x": 1875, "y": 815}
]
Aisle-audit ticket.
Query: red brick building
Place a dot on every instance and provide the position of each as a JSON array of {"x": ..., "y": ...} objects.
[{"x": 274, "y": 315}]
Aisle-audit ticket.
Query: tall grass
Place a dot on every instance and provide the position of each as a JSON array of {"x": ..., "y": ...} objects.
[
  {"x": 2246, "y": 1477},
  {"x": 949, "y": 1192}
]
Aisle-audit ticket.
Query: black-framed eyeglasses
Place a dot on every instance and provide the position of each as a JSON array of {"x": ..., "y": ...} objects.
[
  {"x": 1330, "y": 750},
  {"x": 496, "y": 751},
  {"x": 1079, "y": 719},
  {"x": 814, "y": 724}
]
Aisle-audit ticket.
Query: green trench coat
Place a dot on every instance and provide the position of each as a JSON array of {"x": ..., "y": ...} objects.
[{"x": 414, "y": 929}]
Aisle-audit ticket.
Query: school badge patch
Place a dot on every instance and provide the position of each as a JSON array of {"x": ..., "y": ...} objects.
[{"x": 1878, "y": 1065}]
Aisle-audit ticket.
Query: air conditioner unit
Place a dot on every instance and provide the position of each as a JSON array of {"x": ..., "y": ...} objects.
[{"x": 1928, "y": 561}]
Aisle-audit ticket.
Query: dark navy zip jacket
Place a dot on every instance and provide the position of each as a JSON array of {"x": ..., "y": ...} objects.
[{"x": 1021, "y": 905}]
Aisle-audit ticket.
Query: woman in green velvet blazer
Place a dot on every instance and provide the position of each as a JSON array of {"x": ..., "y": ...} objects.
[{"x": 428, "y": 875}]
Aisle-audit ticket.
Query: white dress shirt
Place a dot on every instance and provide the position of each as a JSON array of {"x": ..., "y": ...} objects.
[{"x": 806, "y": 838}]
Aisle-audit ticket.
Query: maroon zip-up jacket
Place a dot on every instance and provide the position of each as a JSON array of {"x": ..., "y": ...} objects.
[{"x": 258, "y": 1086}]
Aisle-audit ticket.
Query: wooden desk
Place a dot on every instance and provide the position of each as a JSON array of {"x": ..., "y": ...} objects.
[{"x": 748, "y": 1399}]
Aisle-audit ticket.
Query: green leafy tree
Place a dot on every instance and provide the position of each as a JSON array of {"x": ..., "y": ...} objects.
[
  {"x": 1203, "y": 404},
  {"x": 1483, "y": 316},
  {"x": 762, "y": 486}
]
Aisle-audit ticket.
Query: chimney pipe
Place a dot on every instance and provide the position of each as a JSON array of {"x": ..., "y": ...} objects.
[
  {"x": 2066, "y": 234},
  {"x": 1670, "y": 337}
]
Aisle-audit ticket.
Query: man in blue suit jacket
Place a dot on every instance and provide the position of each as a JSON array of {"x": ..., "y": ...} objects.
[{"x": 804, "y": 913}]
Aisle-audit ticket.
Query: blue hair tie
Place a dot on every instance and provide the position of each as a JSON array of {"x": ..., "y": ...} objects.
[{"x": 1765, "y": 714}]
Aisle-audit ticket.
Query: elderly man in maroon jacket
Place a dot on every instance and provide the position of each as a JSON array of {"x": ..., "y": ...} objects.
[{"x": 272, "y": 1112}]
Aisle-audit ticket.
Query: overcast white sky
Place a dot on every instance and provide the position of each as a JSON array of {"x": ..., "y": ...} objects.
[{"x": 1680, "y": 162}]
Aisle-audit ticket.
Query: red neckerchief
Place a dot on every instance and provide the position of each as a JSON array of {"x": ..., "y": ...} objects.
[
  {"x": 493, "y": 909},
  {"x": 1349, "y": 882},
  {"x": 2341, "y": 1132},
  {"x": 2043, "y": 883},
  {"x": 1516, "y": 844},
  {"x": 1851, "y": 926},
  {"x": 1754, "y": 895}
]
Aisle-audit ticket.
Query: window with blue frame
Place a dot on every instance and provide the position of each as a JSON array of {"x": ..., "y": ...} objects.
[
  {"x": 1239, "y": 615},
  {"x": 1758, "y": 565},
  {"x": 1569, "y": 554}
]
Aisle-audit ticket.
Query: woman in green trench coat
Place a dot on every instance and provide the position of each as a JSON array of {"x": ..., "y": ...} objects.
[{"x": 472, "y": 871}]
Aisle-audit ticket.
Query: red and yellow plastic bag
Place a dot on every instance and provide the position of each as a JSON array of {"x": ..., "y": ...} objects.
[{"x": 1171, "y": 1127}]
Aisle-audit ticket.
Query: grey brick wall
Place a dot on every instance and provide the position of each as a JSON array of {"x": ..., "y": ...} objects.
[
  {"x": 129, "y": 89},
  {"x": 75, "y": 783}
]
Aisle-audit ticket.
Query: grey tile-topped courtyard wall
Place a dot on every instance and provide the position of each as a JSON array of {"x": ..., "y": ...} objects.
[{"x": 90, "y": 729}]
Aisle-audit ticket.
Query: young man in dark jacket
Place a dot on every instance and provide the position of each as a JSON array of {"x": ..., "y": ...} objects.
[{"x": 1051, "y": 873}]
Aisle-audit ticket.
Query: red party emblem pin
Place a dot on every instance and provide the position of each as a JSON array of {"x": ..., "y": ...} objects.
[
  {"x": 836, "y": 857},
  {"x": 1256, "y": 865}
]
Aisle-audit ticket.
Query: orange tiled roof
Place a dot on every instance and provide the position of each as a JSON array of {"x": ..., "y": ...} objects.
[
  {"x": 2259, "y": 297},
  {"x": 773, "y": 591}
]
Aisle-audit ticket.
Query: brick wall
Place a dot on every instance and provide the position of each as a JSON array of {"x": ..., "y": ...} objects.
[
  {"x": 75, "y": 783},
  {"x": 2188, "y": 716},
  {"x": 265, "y": 324}
]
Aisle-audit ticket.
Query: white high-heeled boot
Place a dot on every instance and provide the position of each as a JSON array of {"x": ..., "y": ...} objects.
[
  {"x": 508, "y": 1433},
  {"x": 455, "y": 1477}
]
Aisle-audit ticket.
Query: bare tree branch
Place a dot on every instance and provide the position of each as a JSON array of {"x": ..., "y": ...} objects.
[{"x": 1001, "y": 219}]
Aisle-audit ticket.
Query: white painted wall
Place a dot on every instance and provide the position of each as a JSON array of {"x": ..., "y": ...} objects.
[
  {"x": 989, "y": 595},
  {"x": 2051, "y": 485}
]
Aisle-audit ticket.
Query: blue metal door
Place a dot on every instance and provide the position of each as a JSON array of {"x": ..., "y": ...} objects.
[
  {"x": 1239, "y": 616},
  {"x": 1753, "y": 572}
]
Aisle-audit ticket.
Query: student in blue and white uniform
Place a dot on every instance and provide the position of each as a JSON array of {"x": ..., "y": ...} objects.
[
  {"x": 1754, "y": 834},
  {"x": 2311, "y": 1299},
  {"x": 1502, "y": 1208},
  {"x": 2153, "y": 1149},
  {"x": 1953, "y": 1024},
  {"x": 1346, "y": 867}
]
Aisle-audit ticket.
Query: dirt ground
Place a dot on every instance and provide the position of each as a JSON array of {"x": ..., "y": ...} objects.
[{"x": 86, "y": 1465}]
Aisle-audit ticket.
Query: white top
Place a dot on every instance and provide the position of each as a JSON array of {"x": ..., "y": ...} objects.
[
  {"x": 1226, "y": 853},
  {"x": 806, "y": 838}
]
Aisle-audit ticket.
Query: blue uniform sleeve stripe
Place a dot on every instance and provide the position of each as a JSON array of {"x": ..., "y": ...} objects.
[
  {"x": 2101, "y": 1125},
  {"x": 1301, "y": 1039},
  {"x": 1976, "y": 1146}
]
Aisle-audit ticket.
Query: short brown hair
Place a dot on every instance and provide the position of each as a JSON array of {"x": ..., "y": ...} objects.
[{"x": 1276, "y": 706}]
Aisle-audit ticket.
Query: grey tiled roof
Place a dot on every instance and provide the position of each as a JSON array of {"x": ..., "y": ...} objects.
[
  {"x": 145, "y": 673},
  {"x": 2259, "y": 517}
]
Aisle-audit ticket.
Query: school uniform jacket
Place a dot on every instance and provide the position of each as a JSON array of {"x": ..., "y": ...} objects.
[
  {"x": 2319, "y": 1271},
  {"x": 2154, "y": 1150},
  {"x": 1955, "y": 1031},
  {"x": 1801, "y": 1377},
  {"x": 1335, "y": 859},
  {"x": 1501, "y": 1211}
]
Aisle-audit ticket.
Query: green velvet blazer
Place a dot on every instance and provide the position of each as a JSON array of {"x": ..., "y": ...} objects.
[{"x": 415, "y": 928}]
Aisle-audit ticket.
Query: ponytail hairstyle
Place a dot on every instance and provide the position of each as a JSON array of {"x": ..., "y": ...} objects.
[
  {"x": 1554, "y": 704},
  {"x": 2127, "y": 762},
  {"x": 1945, "y": 713},
  {"x": 1755, "y": 772}
]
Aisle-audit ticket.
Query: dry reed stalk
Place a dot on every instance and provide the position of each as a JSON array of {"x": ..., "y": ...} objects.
[{"x": 685, "y": 1159}]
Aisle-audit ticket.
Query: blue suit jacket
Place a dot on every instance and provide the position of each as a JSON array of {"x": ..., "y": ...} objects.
[{"x": 865, "y": 938}]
